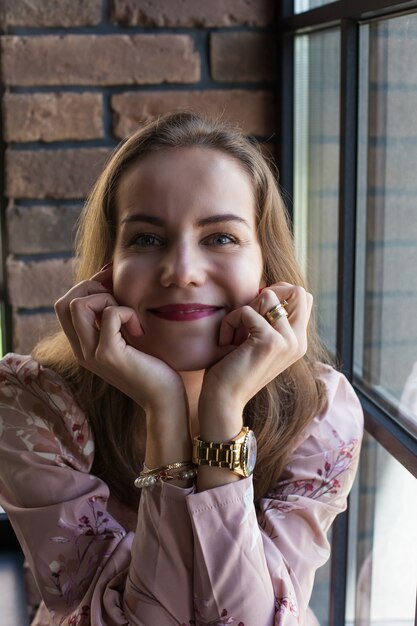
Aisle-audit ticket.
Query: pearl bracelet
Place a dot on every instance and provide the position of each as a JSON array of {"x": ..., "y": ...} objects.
[{"x": 183, "y": 470}]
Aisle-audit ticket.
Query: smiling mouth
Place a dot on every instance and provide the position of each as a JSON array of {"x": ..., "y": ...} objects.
[{"x": 184, "y": 312}]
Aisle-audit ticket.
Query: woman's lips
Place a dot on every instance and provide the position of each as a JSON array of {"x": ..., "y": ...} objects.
[{"x": 184, "y": 312}]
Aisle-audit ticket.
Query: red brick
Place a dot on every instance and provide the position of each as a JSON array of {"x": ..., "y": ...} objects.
[
  {"x": 47, "y": 13},
  {"x": 189, "y": 13},
  {"x": 242, "y": 57},
  {"x": 52, "y": 116},
  {"x": 41, "y": 229},
  {"x": 99, "y": 60},
  {"x": 253, "y": 111},
  {"x": 53, "y": 173},
  {"x": 29, "y": 329},
  {"x": 38, "y": 284}
]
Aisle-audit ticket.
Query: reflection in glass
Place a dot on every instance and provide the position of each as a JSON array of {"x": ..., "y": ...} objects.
[
  {"x": 386, "y": 320},
  {"x": 13, "y": 599},
  {"x": 383, "y": 573},
  {"x": 305, "y": 5},
  {"x": 316, "y": 170},
  {"x": 316, "y": 177}
]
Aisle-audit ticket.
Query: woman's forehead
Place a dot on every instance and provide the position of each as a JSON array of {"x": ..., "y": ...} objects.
[
  {"x": 172, "y": 160},
  {"x": 192, "y": 176}
]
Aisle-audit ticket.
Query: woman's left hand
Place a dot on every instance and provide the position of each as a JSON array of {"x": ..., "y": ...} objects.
[{"x": 266, "y": 351}]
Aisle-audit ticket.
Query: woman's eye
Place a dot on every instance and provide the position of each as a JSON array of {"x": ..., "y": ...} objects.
[
  {"x": 147, "y": 241},
  {"x": 220, "y": 239}
]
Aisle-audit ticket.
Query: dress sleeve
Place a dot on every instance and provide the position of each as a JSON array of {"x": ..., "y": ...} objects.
[
  {"x": 80, "y": 556},
  {"x": 257, "y": 566},
  {"x": 195, "y": 559}
]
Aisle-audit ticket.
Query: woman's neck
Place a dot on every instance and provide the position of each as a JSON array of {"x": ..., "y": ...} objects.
[{"x": 193, "y": 382}]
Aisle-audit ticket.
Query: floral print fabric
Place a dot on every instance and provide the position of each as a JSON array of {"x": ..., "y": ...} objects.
[{"x": 189, "y": 559}]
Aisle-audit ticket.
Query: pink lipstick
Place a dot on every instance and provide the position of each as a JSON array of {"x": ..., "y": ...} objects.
[{"x": 185, "y": 312}]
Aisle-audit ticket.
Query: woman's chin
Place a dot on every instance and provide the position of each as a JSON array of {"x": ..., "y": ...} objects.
[
  {"x": 184, "y": 356},
  {"x": 203, "y": 362}
]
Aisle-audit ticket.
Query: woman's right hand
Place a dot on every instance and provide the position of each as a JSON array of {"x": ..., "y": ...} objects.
[{"x": 93, "y": 322}]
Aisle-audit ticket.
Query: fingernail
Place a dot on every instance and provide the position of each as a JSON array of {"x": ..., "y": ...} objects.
[{"x": 105, "y": 267}]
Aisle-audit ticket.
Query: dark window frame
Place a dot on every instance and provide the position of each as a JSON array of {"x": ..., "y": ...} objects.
[
  {"x": 380, "y": 422},
  {"x": 8, "y": 540}
]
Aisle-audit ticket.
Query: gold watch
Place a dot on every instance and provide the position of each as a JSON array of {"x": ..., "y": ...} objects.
[{"x": 237, "y": 455}]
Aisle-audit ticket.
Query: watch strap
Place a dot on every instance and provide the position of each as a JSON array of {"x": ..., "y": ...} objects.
[{"x": 215, "y": 454}]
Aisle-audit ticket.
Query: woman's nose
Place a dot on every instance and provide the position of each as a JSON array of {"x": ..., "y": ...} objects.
[{"x": 182, "y": 266}]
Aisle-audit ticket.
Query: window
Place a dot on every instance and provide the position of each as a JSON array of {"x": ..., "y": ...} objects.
[
  {"x": 305, "y": 5},
  {"x": 386, "y": 346},
  {"x": 316, "y": 169},
  {"x": 349, "y": 164}
]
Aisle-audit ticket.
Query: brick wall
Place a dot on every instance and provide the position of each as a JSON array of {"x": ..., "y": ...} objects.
[{"x": 79, "y": 76}]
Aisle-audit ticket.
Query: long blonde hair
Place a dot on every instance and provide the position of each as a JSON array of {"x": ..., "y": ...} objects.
[{"x": 282, "y": 409}]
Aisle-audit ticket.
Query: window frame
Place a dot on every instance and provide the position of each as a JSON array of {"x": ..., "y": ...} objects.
[
  {"x": 8, "y": 540},
  {"x": 380, "y": 422}
]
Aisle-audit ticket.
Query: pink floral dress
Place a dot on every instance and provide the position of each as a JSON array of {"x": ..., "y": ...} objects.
[{"x": 186, "y": 558}]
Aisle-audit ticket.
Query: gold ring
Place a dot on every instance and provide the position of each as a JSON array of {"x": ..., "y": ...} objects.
[{"x": 276, "y": 313}]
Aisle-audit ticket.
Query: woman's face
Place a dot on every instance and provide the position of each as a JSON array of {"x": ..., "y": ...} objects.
[{"x": 186, "y": 251}]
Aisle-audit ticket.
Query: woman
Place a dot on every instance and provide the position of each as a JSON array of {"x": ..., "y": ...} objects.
[{"x": 196, "y": 326}]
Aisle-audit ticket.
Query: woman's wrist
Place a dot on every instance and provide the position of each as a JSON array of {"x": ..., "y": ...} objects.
[
  {"x": 157, "y": 455},
  {"x": 170, "y": 399},
  {"x": 167, "y": 436},
  {"x": 167, "y": 447},
  {"x": 177, "y": 473},
  {"x": 219, "y": 422},
  {"x": 211, "y": 477}
]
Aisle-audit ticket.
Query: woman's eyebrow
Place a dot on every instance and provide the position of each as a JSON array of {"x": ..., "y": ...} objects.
[
  {"x": 228, "y": 217},
  {"x": 142, "y": 217},
  {"x": 212, "y": 219}
]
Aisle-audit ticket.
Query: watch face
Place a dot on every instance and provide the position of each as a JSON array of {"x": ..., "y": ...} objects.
[{"x": 250, "y": 453}]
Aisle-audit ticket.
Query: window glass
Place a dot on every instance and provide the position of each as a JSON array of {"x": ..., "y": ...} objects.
[
  {"x": 386, "y": 282},
  {"x": 305, "y": 5},
  {"x": 382, "y": 573},
  {"x": 316, "y": 170},
  {"x": 316, "y": 177},
  {"x": 13, "y": 597},
  {"x": 320, "y": 597}
]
